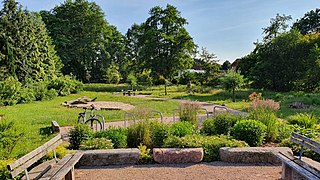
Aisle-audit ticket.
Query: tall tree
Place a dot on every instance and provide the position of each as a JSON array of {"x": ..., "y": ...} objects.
[
  {"x": 226, "y": 65},
  {"x": 83, "y": 38},
  {"x": 277, "y": 26},
  {"x": 26, "y": 50},
  {"x": 309, "y": 23},
  {"x": 166, "y": 46}
]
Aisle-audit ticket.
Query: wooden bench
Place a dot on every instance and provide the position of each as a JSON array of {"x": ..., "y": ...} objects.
[
  {"x": 129, "y": 92},
  {"x": 60, "y": 169},
  {"x": 298, "y": 167}
]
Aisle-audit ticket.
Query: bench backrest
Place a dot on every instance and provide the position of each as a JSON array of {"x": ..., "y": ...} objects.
[
  {"x": 306, "y": 142},
  {"x": 27, "y": 160}
]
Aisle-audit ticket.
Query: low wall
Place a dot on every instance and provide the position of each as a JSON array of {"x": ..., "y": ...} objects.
[
  {"x": 110, "y": 157},
  {"x": 177, "y": 155},
  {"x": 252, "y": 155}
]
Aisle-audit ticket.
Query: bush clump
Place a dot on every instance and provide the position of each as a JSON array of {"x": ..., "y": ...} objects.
[
  {"x": 96, "y": 143},
  {"x": 219, "y": 124},
  {"x": 210, "y": 144},
  {"x": 4, "y": 172},
  {"x": 251, "y": 131},
  {"x": 139, "y": 133},
  {"x": 303, "y": 119},
  {"x": 78, "y": 134},
  {"x": 182, "y": 129},
  {"x": 117, "y": 135},
  {"x": 159, "y": 132},
  {"x": 188, "y": 111}
]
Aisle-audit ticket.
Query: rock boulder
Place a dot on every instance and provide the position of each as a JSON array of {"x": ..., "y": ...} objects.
[{"x": 177, "y": 155}]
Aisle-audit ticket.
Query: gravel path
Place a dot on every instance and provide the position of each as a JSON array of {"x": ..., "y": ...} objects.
[{"x": 213, "y": 170}]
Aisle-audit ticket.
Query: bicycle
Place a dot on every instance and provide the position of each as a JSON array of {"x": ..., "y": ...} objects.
[{"x": 93, "y": 118}]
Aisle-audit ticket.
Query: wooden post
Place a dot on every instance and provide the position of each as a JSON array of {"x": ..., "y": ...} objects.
[
  {"x": 286, "y": 172},
  {"x": 70, "y": 174}
]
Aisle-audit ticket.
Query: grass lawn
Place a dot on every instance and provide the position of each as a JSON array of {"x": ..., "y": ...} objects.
[{"x": 34, "y": 119}]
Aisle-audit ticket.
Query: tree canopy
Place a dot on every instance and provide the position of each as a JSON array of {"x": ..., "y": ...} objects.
[
  {"x": 161, "y": 43},
  {"x": 84, "y": 40},
  {"x": 26, "y": 50}
]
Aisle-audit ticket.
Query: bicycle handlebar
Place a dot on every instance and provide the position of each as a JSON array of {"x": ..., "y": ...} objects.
[{"x": 90, "y": 108}]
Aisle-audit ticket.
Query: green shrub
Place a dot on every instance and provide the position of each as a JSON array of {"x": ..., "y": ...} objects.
[
  {"x": 268, "y": 118},
  {"x": 284, "y": 131},
  {"x": 9, "y": 137},
  {"x": 4, "y": 172},
  {"x": 145, "y": 155},
  {"x": 61, "y": 151},
  {"x": 159, "y": 132},
  {"x": 251, "y": 131},
  {"x": 210, "y": 144},
  {"x": 41, "y": 92},
  {"x": 117, "y": 135},
  {"x": 139, "y": 133},
  {"x": 79, "y": 133},
  {"x": 182, "y": 129},
  {"x": 303, "y": 119},
  {"x": 219, "y": 124},
  {"x": 96, "y": 143},
  {"x": 9, "y": 89},
  {"x": 65, "y": 85},
  {"x": 188, "y": 111}
]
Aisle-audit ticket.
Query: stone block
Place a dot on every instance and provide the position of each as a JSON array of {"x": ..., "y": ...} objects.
[
  {"x": 110, "y": 157},
  {"x": 252, "y": 155},
  {"x": 177, "y": 155}
]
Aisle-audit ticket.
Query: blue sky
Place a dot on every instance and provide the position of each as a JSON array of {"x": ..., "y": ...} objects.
[{"x": 226, "y": 28}]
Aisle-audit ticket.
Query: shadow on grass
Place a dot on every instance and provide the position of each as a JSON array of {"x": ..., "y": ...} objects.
[{"x": 46, "y": 131}]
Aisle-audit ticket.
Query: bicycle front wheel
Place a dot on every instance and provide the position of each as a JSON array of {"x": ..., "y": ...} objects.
[{"x": 95, "y": 124}]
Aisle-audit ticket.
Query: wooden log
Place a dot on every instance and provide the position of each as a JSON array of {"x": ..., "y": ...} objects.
[{"x": 55, "y": 126}]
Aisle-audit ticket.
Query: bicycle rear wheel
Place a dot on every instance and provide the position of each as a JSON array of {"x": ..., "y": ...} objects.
[{"x": 95, "y": 124}]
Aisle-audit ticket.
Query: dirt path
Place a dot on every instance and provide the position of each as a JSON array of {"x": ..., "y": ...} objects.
[{"x": 213, "y": 170}]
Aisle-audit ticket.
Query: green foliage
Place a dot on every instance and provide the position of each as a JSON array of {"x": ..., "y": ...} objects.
[
  {"x": 61, "y": 151},
  {"x": 269, "y": 119},
  {"x": 139, "y": 133},
  {"x": 210, "y": 144},
  {"x": 80, "y": 133},
  {"x": 9, "y": 89},
  {"x": 118, "y": 136},
  {"x": 161, "y": 44},
  {"x": 65, "y": 85},
  {"x": 304, "y": 120},
  {"x": 96, "y": 143},
  {"x": 232, "y": 81},
  {"x": 219, "y": 124},
  {"x": 113, "y": 75},
  {"x": 188, "y": 112},
  {"x": 251, "y": 131},
  {"x": 9, "y": 137},
  {"x": 182, "y": 129},
  {"x": 309, "y": 23},
  {"x": 88, "y": 48},
  {"x": 145, "y": 155},
  {"x": 26, "y": 50},
  {"x": 284, "y": 131},
  {"x": 159, "y": 133},
  {"x": 4, "y": 172}
]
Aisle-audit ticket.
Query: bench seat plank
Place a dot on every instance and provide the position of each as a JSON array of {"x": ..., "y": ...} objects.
[
  {"x": 63, "y": 168},
  {"x": 303, "y": 168}
]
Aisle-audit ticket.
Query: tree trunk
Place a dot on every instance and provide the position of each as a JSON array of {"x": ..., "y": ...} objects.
[
  {"x": 165, "y": 88},
  {"x": 233, "y": 95}
]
